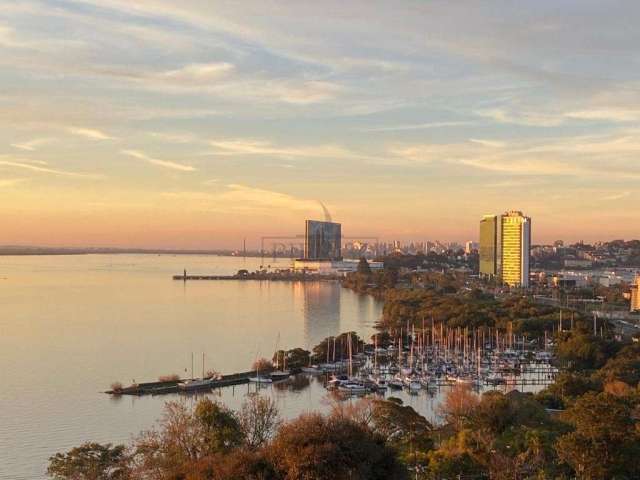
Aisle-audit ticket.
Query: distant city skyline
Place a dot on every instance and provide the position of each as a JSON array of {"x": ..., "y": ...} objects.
[{"x": 196, "y": 124}]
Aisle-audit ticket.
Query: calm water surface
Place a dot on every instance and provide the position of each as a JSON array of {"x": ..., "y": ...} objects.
[{"x": 71, "y": 325}]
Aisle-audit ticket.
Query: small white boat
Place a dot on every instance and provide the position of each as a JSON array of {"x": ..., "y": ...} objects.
[
  {"x": 412, "y": 383},
  {"x": 415, "y": 386},
  {"x": 396, "y": 383},
  {"x": 260, "y": 379},
  {"x": 329, "y": 367},
  {"x": 311, "y": 370},
  {"x": 427, "y": 382},
  {"x": 381, "y": 384},
  {"x": 495, "y": 379},
  {"x": 196, "y": 384},
  {"x": 352, "y": 388}
]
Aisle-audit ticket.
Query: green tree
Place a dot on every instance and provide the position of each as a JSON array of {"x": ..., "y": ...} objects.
[
  {"x": 605, "y": 443},
  {"x": 405, "y": 429},
  {"x": 90, "y": 461},
  {"x": 363, "y": 267},
  {"x": 221, "y": 430}
]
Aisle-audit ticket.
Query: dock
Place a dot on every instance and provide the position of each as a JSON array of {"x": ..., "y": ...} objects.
[
  {"x": 261, "y": 276},
  {"x": 171, "y": 386}
]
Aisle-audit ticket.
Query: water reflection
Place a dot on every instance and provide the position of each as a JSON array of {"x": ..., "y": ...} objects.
[
  {"x": 72, "y": 325},
  {"x": 321, "y": 310}
]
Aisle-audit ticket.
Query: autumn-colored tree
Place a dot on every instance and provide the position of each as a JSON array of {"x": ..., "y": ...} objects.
[
  {"x": 259, "y": 420},
  {"x": 185, "y": 437},
  {"x": 317, "y": 447},
  {"x": 458, "y": 405},
  {"x": 90, "y": 461},
  {"x": 262, "y": 365}
]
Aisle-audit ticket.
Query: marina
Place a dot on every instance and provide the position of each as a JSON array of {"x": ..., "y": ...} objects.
[{"x": 432, "y": 359}]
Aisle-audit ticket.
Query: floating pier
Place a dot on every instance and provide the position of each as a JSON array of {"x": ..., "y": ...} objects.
[
  {"x": 171, "y": 386},
  {"x": 261, "y": 276}
]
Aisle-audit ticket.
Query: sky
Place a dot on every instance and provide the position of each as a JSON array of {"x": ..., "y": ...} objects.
[{"x": 198, "y": 123}]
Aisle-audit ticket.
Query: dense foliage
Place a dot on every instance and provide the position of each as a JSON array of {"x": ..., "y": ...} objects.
[
  {"x": 472, "y": 309},
  {"x": 584, "y": 426}
]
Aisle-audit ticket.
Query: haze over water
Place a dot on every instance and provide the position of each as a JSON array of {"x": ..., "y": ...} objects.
[{"x": 71, "y": 325}]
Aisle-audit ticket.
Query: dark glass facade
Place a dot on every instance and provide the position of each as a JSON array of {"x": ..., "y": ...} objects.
[{"x": 322, "y": 240}]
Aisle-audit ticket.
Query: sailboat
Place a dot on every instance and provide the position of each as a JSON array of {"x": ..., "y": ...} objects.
[
  {"x": 278, "y": 375},
  {"x": 197, "y": 383},
  {"x": 260, "y": 379}
]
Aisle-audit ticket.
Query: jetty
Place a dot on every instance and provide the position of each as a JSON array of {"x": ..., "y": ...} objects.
[
  {"x": 261, "y": 275},
  {"x": 171, "y": 386}
]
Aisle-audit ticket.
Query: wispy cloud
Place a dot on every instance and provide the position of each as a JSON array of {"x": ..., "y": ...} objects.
[
  {"x": 249, "y": 147},
  {"x": 604, "y": 157},
  {"x": 179, "y": 138},
  {"x": 488, "y": 143},
  {"x": 415, "y": 126},
  {"x": 245, "y": 199},
  {"x": 89, "y": 133},
  {"x": 616, "y": 196},
  {"x": 35, "y": 168},
  {"x": 197, "y": 73},
  {"x": 33, "y": 145},
  {"x": 160, "y": 163},
  {"x": 522, "y": 117},
  {"x": 11, "y": 182},
  {"x": 606, "y": 114}
]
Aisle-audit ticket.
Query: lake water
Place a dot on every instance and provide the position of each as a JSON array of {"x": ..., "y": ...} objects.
[{"x": 71, "y": 325}]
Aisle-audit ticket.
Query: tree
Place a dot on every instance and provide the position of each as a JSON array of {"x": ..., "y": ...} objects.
[
  {"x": 363, "y": 267},
  {"x": 240, "y": 465},
  {"x": 390, "y": 277},
  {"x": 296, "y": 358},
  {"x": 259, "y": 420},
  {"x": 605, "y": 442},
  {"x": 405, "y": 429},
  {"x": 185, "y": 438},
  {"x": 317, "y": 447},
  {"x": 90, "y": 461},
  {"x": 262, "y": 365},
  {"x": 624, "y": 367},
  {"x": 459, "y": 405},
  {"x": 221, "y": 430}
]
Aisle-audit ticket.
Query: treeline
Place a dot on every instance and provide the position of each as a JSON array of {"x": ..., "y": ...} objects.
[
  {"x": 211, "y": 442},
  {"x": 400, "y": 271},
  {"x": 491, "y": 436},
  {"x": 471, "y": 309}
]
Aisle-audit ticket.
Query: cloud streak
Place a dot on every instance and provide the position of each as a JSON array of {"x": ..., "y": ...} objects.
[
  {"x": 39, "y": 169},
  {"x": 32, "y": 145},
  {"x": 160, "y": 163},
  {"x": 89, "y": 133}
]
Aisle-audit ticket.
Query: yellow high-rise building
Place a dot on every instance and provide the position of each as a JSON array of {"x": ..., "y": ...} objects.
[
  {"x": 505, "y": 245},
  {"x": 635, "y": 295},
  {"x": 516, "y": 248}
]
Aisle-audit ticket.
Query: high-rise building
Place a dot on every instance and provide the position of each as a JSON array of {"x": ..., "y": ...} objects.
[
  {"x": 322, "y": 240},
  {"x": 489, "y": 246},
  {"x": 516, "y": 248},
  {"x": 470, "y": 246},
  {"x": 635, "y": 295},
  {"x": 505, "y": 245}
]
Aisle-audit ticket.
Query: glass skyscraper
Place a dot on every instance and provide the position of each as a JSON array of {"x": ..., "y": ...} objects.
[
  {"x": 489, "y": 248},
  {"x": 322, "y": 240}
]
